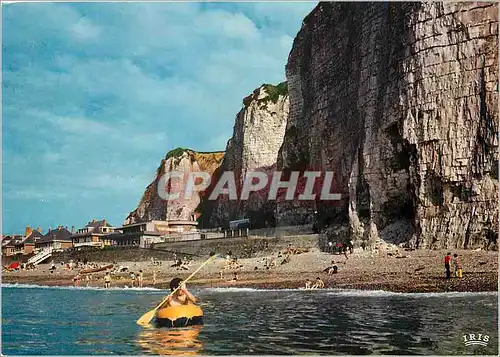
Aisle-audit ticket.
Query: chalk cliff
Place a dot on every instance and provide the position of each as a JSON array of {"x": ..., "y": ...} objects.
[
  {"x": 257, "y": 137},
  {"x": 153, "y": 207},
  {"x": 400, "y": 101}
]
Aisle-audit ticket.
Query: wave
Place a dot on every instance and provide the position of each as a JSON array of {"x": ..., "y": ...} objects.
[
  {"x": 95, "y": 288},
  {"x": 358, "y": 292},
  {"x": 383, "y": 293},
  {"x": 326, "y": 291}
]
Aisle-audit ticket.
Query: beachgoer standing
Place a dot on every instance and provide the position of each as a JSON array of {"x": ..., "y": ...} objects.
[
  {"x": 132, "y": 277},
  {"x": 340, "y": 247},
  {"x": 457, "y": 266},
  {"x": 154, "y": 277},
  {"x": 447, "y": 260},
  {"x": 76, "y": 280},
  {"x": 140, "y": 278},
  {"x": 107, "y": 280}
]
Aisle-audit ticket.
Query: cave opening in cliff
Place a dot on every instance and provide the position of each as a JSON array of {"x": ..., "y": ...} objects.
[{"x": 434, "y": 189}]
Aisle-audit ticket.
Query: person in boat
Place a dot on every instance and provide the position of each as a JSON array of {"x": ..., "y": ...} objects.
[{"x": 181, "y": 297}]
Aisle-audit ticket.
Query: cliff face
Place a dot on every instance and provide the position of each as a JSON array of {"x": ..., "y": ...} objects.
[
  {"x": 257, "y": 137},
  {"x": 153, "y": 207},
  {"x": 400, "y": 101}
]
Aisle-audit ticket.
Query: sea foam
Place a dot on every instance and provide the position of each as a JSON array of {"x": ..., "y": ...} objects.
[
  {"x": 326, "y": 291},
  {"x": 357, "y": 292}
]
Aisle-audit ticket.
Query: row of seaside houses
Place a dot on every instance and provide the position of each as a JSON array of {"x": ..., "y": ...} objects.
[{"x": 98, "y": 233}]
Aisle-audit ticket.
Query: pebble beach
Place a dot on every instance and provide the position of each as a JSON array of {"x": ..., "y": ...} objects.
[{"x": 414, "y": 271}]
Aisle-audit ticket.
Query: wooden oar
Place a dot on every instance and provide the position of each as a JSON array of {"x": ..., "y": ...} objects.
[{"x": 148, "y": 316}]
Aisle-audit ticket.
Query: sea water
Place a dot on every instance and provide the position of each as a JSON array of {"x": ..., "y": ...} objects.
[{"x": 92, "y": 321}]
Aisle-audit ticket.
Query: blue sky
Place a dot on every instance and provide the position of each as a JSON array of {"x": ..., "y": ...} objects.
[{"x": 94, "y": 95}]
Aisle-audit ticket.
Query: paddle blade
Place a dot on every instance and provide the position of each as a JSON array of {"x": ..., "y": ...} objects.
[{"x": 146, "y": 318}]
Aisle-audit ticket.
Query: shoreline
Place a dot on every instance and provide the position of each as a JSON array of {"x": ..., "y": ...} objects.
[
  {"x": 263, "y": 287},
  {"x": 420, "y": 272},
  {"x": 343, "y": 290}
]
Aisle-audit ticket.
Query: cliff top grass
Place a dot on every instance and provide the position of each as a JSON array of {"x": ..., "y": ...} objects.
[
  {"x": 273, "y": 93},
  {"x": 178, "y": 151}
]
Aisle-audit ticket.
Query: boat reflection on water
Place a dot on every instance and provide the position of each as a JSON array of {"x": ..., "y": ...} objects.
[{"x": 178, "y": 342}]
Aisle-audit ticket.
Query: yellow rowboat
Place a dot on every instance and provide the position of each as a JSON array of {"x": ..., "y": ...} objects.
[{"x": 179, "y": 316}]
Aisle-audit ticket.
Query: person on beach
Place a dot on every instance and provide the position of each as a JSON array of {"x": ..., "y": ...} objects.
[
  {"x": 177, "y": 264},
  {"x": 132, "y": 277},
  {"x": 272, "y": 262},
  {"x": 52, "y": 267},
  {"x": 140, "y": 278},
  {"x": 340, "y": 247},
  {"x": 107, "y": 280},
  {"x": 181, "y": 297},
  {"x": 457, "y": 266},
  {"x": 76, "y": 280},
  {"x": 319, "y": 284},
  {"x": 154, "y": 277},
  {"x": 447, "y": 260},
  {"x": 308, "y": 284},
  {"x": 332, "y": 269}
]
